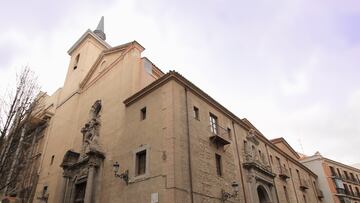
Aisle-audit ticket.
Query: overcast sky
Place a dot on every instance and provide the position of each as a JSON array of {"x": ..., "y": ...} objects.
[{"x": 291, "y": 67}]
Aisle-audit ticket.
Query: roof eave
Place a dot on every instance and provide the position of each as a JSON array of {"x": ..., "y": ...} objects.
[{"x": 83, "y": 37}]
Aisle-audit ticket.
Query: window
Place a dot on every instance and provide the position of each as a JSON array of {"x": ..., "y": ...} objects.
[
  {"x": 346, "y": 175},
  {"x": 196, "y": 113},
  {"x": 298, "y": 174},
  {"x": 140, "y": 162},
  {"x": 351, "y": 190},
  {"x": 357, "y": 191},
  {"x": 286, "y": 194},
  {"x": 213, "y": 124},
  {"x": 143, "y": 113},
  {"x": 76, "y": 61},
  {"x": 271, "y": 159},
  {"x": 52, "y": 159},
  {"x": 278, "y": 161},
  {"x": 338, "y": 172},
  {"x": 80, "y": 189},
  {"x": 45, "y": 191},
  {"x": 346, "y": 189},
  {"x": 333, "y": 173},
  {"x": 352, "y": 177},
  {"x": 229, "y": 132},
  {"x": 218, "y": 165}
]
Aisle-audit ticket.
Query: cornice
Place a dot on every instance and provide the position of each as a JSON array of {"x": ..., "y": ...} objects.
[
  {"x": 83, "y": 37},
  {"x": 342, "y": 165},
  {"x": 281, "y": 139}
]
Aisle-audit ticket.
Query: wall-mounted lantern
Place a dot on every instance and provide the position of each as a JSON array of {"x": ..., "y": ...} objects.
[
  {"x": 124, "y": 175},
  {"x": 226, "y": 195}
]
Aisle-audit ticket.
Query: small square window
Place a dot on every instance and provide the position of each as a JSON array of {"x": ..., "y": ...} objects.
[
  {"x": 141, "y": 162},
  {"x": 76, "y": 61},
  {"x": 52, "y": 159},
  {"x": 229, "y": 132},
  {"x": 45, "y": 190},
  {"x": 218, "y": 164},
  {"x": 143, "y": 113},
  {"x": 196, "y": 113}
]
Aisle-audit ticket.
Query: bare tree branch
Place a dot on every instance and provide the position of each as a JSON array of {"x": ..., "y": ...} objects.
[{"x": 17, "y": 109}]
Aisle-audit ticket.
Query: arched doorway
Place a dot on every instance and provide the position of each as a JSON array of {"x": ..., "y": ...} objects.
[{"x": 263, "y": 195}]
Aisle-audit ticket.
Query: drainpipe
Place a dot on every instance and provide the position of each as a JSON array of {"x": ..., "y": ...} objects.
[
  {"x": 241, "y": 173},
  {"x": 189, "y": 145}
]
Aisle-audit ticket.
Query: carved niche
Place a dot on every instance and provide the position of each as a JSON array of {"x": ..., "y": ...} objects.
[{"x": 91, "y": 129}]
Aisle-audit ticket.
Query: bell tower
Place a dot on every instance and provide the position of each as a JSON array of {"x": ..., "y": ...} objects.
[{"x": 83, "y": 55}]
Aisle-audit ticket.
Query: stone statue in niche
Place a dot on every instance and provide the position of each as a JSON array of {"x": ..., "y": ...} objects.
[
  {"x": 252, "y": 137},
  {"x": 91, "y": 129},
  {"x": 251, "y": 134},
  {"x": 248, "y": 152}
]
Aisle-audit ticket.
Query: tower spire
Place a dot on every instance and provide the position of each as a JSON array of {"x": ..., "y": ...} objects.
[{"x": 100, "y": 29}]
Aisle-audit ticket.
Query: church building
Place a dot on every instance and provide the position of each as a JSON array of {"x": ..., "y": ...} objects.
[{"x": 121, "y": 130}]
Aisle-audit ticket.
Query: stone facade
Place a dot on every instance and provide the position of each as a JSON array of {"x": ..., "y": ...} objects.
[
  {"x": 340, "y": 182},
  {"x": 118, "y": 107}
]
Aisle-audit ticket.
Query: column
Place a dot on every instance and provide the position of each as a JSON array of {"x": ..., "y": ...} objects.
[
  {"x": 89, "y": 183},
  {"x": 63, "y": 188}
]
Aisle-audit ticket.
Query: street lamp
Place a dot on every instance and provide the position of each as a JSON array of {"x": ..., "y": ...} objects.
[
  {"x": 124, "y": 175},
  {"x": 226, "y": 195}
]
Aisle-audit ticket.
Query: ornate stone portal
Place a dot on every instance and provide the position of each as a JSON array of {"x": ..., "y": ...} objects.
[
  {"x": 258, "y": 171},
  {"x": 82, "y": 170}
]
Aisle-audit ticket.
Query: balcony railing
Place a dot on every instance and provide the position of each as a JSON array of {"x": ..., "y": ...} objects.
[
  {"x": 346, "y": 179},
  {"x": 340, "y": 190},
  {"x": 218, "y": 135},
  {"x": 304, "y": 184},
  {"x": 283, "y": 173},
  {"x": 258, "y": 162},
  {"x": 352, "y": 180}
]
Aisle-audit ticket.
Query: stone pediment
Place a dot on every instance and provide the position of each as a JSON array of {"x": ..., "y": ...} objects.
[
  {"x": 70, "y": 158},
  {"x": 105, "y": 61}
]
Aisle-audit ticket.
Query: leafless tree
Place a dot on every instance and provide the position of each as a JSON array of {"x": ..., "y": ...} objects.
[
  {"x": 17, "y": 107},
  {"x": 16, "y": 103}
]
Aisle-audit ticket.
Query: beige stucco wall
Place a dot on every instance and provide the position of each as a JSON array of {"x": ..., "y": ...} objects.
[
  {"x": 72, "y": 112},
  {"x": 89, "y": 51}
]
